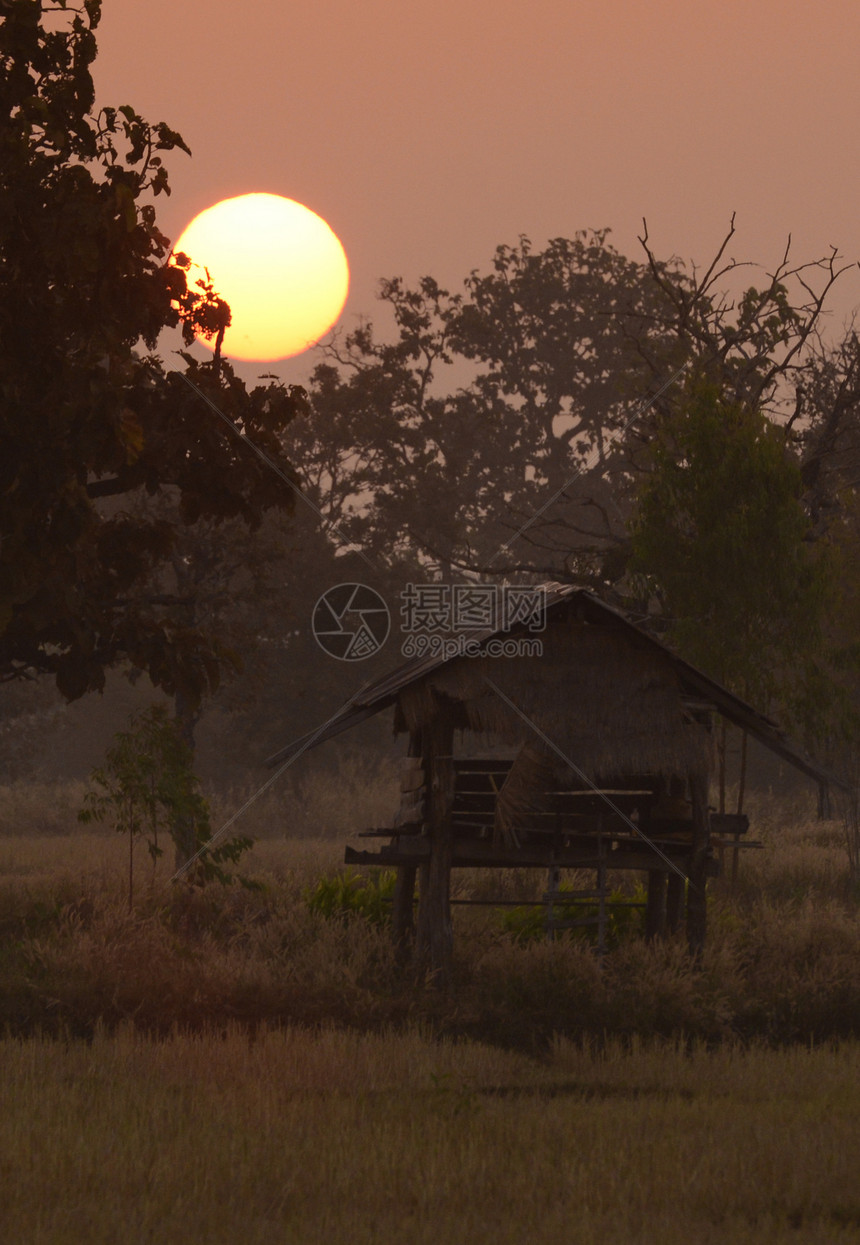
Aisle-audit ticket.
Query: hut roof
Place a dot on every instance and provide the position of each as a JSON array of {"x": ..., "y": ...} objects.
[{"x": 617, "y": 662}]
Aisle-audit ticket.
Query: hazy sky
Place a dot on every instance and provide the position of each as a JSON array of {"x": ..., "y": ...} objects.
[{"x": 428, "y": 133}]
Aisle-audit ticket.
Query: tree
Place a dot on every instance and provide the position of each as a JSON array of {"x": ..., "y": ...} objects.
[
  {"x": 90, "y": 417},
  {"x": 147, "y": 785},
  {"x": 541, "y": 364},
  {"x": 752, "y": 343},
  {"x": 826, "y": 428},
  {"x": 720, "y": 541},
  {"x": 504, "y": 429}
]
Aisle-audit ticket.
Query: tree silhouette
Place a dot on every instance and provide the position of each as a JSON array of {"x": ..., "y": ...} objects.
[{"x": 90, "y": 416}]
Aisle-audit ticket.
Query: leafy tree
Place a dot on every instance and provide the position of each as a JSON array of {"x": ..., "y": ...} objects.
[
  {"x": 720, "y": 539},
  {"x": 544, "y": 347},
  {"x": 501, "y": 428},
  {"x": 90, "y": 418},
  {"x": 147, "y": 786},
  {"x": 826, "y": 429}
]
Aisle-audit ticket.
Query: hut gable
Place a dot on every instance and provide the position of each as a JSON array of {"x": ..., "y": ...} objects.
[
  {"x": 597, "y": 681},
  {"x": 609, "y": 703}
]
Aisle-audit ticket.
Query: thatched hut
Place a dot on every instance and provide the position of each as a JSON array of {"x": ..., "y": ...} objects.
[{"x": 597, "y": 753}]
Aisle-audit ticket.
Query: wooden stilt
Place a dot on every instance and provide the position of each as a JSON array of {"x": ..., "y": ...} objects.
[
  {"x": 601, "y": 896},
  {"x": 697, "y": 917},
  {"x": 675, "y": 893},
  {"x": 435, "y": 936},
  {"x": 403, "y": 907},
  {"x": 655, "y": 912},
  {"x": 403, "y": 914}
]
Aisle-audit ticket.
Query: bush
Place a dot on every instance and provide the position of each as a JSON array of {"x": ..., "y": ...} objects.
[
  {"x": 623, "y": 921},
  {"x": 348, "y": 894}
]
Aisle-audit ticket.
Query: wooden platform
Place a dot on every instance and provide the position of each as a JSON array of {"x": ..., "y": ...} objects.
[{"x": 622, "y": 823}]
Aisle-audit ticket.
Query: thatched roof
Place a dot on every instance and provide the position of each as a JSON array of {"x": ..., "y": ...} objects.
[
  {"x": 604, "y": 700},
  {"x": 611, "y": 697}
]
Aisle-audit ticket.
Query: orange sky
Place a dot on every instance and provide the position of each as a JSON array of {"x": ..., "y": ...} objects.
[{"x": 428, "y": 133}]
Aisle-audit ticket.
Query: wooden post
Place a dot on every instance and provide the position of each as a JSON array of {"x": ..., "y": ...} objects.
[
  {"x": 655, "y": 911},
  {"x": 741, "y": 788},
  {"x": 825, "y": 805},
  {"x": 553, "y": 880},
  {"x": 403, "y": 914},
  {"x": 601, "y": 893},
  {"x": 675, "y": 891},
  {"x": 435, "y": 935},
  {"x": 697, "y": 913}
]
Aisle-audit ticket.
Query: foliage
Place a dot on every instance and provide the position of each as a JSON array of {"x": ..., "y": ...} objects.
[
  {"x": 502, "y": 428},
  {"x": 721, "y": 539},
  {"x": 545, "y": 342},
  {"x": 343, "y": 895},
  {"x": 825, "y": 428},
  {"x": 147, "y": 785},
  {"x": 89, "y": 417},
  {"x": 528, "y": 922}
]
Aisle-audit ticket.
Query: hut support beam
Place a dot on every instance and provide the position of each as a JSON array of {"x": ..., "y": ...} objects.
[
  {"x": 403, "y": 906},
  {"x": 435, "y": 935},
  {"x": 696, "y": 896},
  {"x": 655, "y": 912},
  {"x": 402, "y": 913},
  {"x": 675, "y": 889}
]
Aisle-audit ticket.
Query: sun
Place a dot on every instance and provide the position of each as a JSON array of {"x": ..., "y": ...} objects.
[{"x": 280, "y": 267}]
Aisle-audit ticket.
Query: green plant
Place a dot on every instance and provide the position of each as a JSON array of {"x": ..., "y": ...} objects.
[
  {"x": 147, "y": 785},
  {"x": 623, "y": 920},
  {"x": 342, "y": 895}
]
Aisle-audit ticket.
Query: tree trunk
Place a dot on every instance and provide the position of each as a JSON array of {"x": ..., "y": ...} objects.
[
  {"x": 825, "y": 804},
  {"x": 722, "y": 761},
  {"x": 742, "y": 777},
  {"x": 435, "y": 937}
]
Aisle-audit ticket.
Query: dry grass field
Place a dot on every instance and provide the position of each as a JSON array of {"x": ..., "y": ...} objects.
[
  {"x": 341, "y": 1138},
  {"x": 229, "y": 1065}
]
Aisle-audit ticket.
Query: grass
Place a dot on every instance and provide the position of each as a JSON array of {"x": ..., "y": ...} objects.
[
  {"x": 324, "y": 1136},
  {"x": 227, "y": 1065}
]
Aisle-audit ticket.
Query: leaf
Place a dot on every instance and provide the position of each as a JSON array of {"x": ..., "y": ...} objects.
[{"x": 132, "y": 434}]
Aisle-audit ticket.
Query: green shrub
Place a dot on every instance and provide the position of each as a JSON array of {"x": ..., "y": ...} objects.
[
  {"x": 147, "y": 785},
  {"x": 528, "y": 923},
  {"x": 343, "y": 895}
]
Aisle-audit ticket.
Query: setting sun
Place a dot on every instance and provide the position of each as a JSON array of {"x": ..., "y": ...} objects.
[{"x": 279, "y": 266}]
